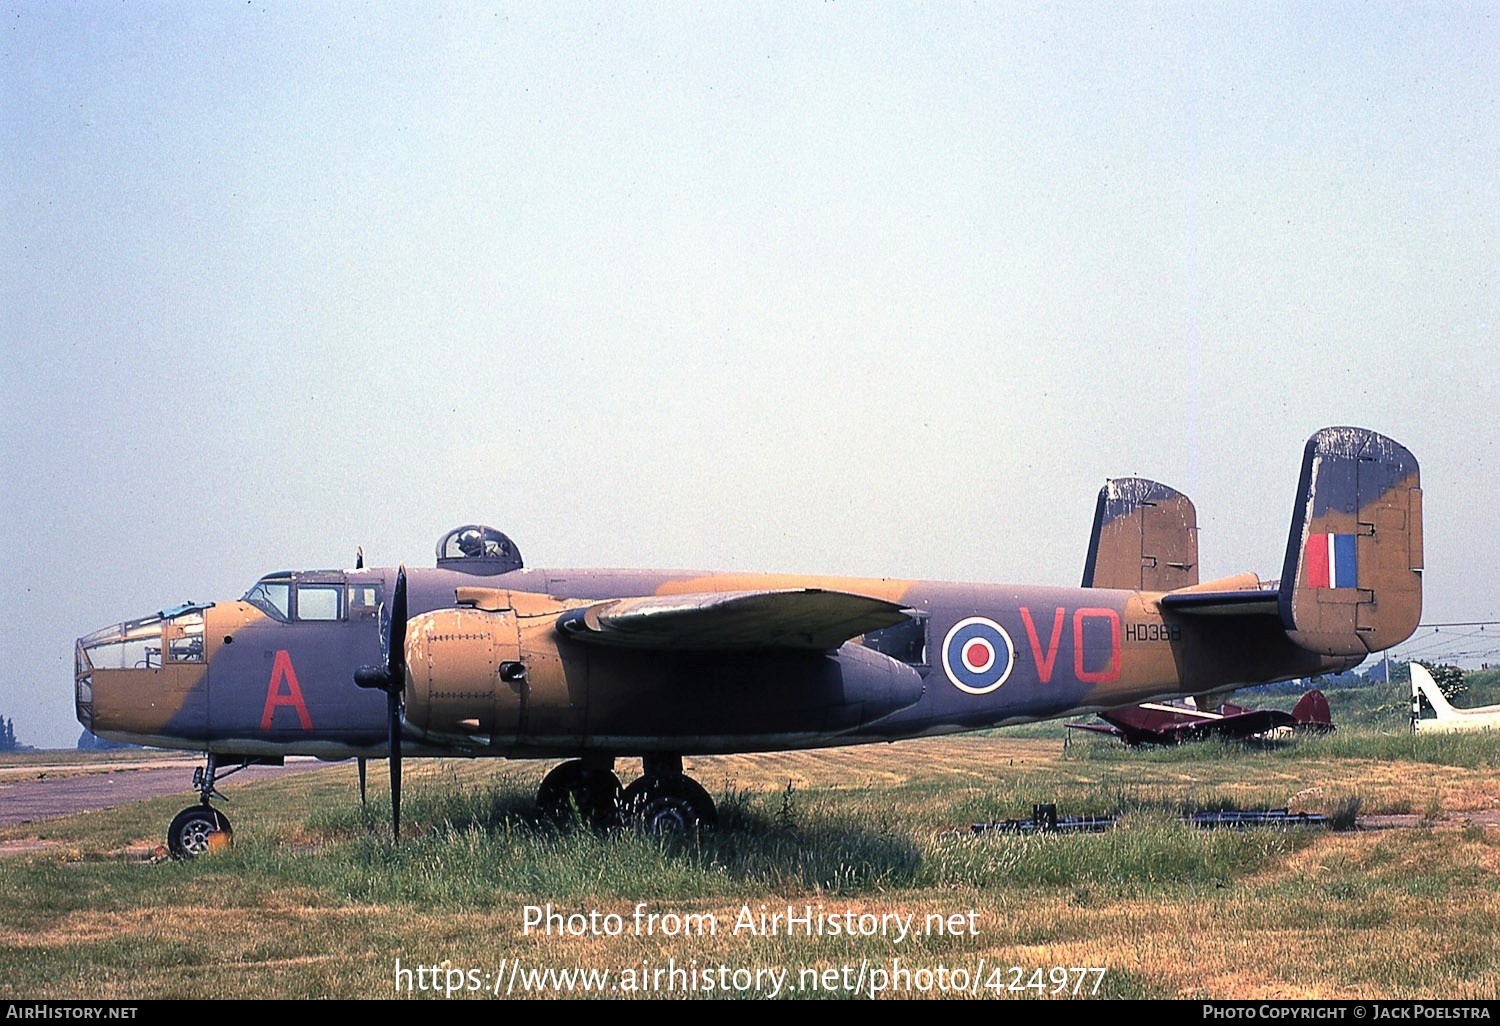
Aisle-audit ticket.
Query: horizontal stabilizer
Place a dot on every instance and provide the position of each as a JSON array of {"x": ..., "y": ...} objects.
[
  {"x": 808, "y": 618},
  {"x": 1222, "y": 603},
  {"x": 1242, "y": 595}
]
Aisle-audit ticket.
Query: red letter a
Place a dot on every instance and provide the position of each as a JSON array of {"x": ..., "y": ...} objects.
[{"x": 282, "y": 670}]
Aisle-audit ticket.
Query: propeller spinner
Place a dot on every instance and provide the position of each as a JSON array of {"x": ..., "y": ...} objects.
[{"x": 391, "y": 678}]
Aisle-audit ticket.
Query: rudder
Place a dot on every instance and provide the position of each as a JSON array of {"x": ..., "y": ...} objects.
[{"x": 1422, "y": 682}]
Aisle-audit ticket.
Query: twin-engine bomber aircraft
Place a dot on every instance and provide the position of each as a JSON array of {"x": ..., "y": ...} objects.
[{"x": 482, "y": 656}]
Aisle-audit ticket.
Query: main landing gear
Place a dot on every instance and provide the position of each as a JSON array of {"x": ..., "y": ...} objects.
[
  {"x": 200, "y": 829},
  {"x": 662, "y": 800},
  {"x": 586, "y": 788}
]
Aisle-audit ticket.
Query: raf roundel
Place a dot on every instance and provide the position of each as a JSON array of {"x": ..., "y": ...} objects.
[{"x": 978, "y": 655}]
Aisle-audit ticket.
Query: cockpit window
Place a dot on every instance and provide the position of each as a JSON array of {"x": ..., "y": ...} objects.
[
  {"x": 133, "y": 645},
  {"x": 364, "y": 601},
  {"x": 319, "y": 601},
  {"x": 273, "y": 597},
  {"x": 141, "y": 644}
]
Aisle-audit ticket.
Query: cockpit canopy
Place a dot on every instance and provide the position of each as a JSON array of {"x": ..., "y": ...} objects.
[{"x": 477, "y": 549}]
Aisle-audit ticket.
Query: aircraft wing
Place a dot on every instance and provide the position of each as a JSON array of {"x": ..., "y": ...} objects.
[
  {"x": 1250, "y": 723},
  {"x": 1161, "y": 725},
  {"x": 1098, "y": 728},
  {"x": 802, "y": 618}
]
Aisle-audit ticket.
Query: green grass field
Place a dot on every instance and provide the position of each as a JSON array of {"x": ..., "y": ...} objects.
[{"x": 314, "y": 900}]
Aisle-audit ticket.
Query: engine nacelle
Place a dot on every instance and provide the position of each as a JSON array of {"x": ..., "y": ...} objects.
[
  {"x": 464, "y": 674},
  {"x": 496, "y": 673}
]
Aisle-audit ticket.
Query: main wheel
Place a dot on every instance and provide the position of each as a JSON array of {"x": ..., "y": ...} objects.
[
  {"x": 574, "y": 789},
  {"x": 198, "y": 830},
  {"x": 668, "y": 805}
]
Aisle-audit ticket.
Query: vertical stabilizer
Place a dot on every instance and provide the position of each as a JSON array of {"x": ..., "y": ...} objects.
[
  {"x": 1312, "y": 710},
  {"x": 1423, "y": 683},
  {"x": 1449, "y": 719},
  {"x": 1145, "y": 538},
  {"x": 1352, "y": 581}
]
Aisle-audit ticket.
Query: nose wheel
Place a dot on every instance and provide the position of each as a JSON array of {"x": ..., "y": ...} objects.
[
  {"x": 201, "y": 829},
  {"x": 198, "y": 830}
]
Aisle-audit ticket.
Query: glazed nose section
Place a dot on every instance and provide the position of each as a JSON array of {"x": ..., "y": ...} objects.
[
  {"x": 143, "y": 679},
  {"x": 133, "y": 647},
  {"x": 83, "y": 687}
]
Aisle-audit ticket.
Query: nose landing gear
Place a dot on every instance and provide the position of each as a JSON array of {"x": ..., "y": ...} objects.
[{"x": 201, "y": 829}]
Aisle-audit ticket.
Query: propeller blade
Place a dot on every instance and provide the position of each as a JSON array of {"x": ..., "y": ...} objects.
[
  {"x": 394, "y": 706},
  {"x": 396, "y": 650},
  {"x": 391, "y": 678},
  {"x": 396, "y": 678}
]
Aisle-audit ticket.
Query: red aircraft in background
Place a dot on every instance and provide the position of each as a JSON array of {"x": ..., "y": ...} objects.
[{"x": 1171, "y": 723}]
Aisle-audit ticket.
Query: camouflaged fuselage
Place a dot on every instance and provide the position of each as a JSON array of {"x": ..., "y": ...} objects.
[{"x": 268, "y": 686}]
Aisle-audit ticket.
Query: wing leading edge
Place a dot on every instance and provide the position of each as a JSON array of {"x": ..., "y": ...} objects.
[{"x": 806, "y": 618}]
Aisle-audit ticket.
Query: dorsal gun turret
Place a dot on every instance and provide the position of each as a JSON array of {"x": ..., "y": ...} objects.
[{"x": 477, "y": 549}]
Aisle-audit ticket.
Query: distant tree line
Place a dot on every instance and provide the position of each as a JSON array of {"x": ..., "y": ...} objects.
[
  {"x": 7, "y": 735},
  {"x": 88, "y": 741},
  {"x": 1452, "y": 681}
]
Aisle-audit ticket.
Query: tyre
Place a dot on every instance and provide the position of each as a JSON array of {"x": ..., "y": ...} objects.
[
  {"x": 668, "y": 805},
  {"x": 574, "y": 790},
  {"x": 198, "y": 830}
]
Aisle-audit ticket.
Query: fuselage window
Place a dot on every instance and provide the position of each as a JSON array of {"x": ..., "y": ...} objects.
[
  {"x": 319, "y": 601},
  {"x": 906, "y": 641},
  {"x": 185, "y": 639}
]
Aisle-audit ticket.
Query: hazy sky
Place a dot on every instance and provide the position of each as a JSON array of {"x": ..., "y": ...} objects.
[{"x": 868, "y": 288}]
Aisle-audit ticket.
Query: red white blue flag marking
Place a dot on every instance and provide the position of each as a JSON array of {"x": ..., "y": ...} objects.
[
  {"x": 978, "y": 655},
  {"x": 1330, "y": 561}
]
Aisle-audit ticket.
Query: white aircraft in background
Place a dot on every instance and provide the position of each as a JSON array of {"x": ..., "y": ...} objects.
[{"x": 1448, "y": 719}]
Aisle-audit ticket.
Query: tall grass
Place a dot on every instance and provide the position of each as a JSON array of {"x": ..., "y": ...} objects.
[{"x": 314, "y": 898}]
